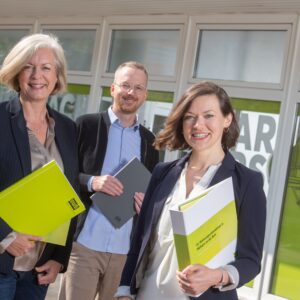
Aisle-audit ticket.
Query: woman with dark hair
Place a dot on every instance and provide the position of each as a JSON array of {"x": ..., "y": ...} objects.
[{"x": 204, "y": 122}]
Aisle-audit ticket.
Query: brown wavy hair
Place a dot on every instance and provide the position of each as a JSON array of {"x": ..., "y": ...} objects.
[{"x": 171, "y": 137}]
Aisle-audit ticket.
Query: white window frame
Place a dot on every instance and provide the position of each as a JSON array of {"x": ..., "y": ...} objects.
[
  {"x": 147, "y": 23},
  {"x": 266, "y": 91},
  {"x": 29, "y": 27},
  {"x": 95, "y": 27},
  {"x": 286, "y": 130},
  {"x": 241, "y": 27}
]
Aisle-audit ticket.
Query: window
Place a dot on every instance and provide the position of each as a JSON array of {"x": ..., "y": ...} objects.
[
  {"x": 8, "y": 38},
  {"x": 241, "y": 55},
  {"x": 78, "y": 45},
  {"x": 156, "y": 49},
  {"x": 287, "y": 264},
  {"x": 73, "y": 103},
  {"x": 152, "y": 114},
  {"x": 106, "y": 100},
  {"x": 258, "y": 121},
  {"x": 6, "y": 94}
]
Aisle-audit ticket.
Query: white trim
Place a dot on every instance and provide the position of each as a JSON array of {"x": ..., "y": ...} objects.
[
  {"x": 71, "y": 21},
  {"x": 95, "y": 93},
  {"x": 147, "y": 19},
  {"x": 287, "y": 92},
  {"x": 241, "y": 18},
  {"x": 197, "y": 26},
  {"x": 286, "y": 130},
  {"x": 272, "y": 297},
  {"x": 95, "y": 28},
  {"x": 143, "y": 26}
]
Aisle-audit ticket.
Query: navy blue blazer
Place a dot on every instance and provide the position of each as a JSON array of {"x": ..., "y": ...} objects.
[
  {"x": 15, "y": 163},
  {"x": 251, "y": 211}
]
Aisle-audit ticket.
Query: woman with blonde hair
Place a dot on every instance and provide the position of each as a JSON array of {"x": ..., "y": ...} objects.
[{"x": 31, "y": 135}]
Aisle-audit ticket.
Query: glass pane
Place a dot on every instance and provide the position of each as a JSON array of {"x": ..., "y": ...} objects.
[
  {"x": 156, "y": 49},
  {"x": 287, "y": 264},
  {"x": 243, "y": 55},
  {"x": 159, "y": 122},
  {"x": 6, "y": 94},
  {"x": 158, "y": 96},
  {"x": 8, "y": 38},
  {"x": 106, "y": 100},
  {"x": 258, "y": 121},
  {"x": 73, "y": 103},
  {"x": 78, "y": 45},
  {"x": 105, "y": 104},
  {"x": 152, "y": 114}
]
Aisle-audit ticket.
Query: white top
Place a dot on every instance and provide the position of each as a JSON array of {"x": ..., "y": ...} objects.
[{"x": 160, "y": 281}]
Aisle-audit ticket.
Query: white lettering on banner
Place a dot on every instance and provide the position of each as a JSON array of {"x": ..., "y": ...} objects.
[{"x": 255, "y": 147}]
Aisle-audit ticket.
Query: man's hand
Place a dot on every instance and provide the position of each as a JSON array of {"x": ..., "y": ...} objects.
[
  {"x": 138, "y": 201},
  {"x": 47, "y": 273},
  {"x": 22, "y": 244},
  {"x": 107, "y": 184}
]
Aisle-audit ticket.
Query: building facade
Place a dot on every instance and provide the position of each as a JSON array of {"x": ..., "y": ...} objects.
[{"x": 253, "y": 53}]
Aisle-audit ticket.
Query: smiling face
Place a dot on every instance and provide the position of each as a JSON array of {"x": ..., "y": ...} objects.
[
  {"x": 38, "y": 77},
  {"x": 204, "y": 124},
  {"x": 128, "y": 90}
]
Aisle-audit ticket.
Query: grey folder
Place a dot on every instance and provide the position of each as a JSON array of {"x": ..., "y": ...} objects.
[{"x": 119, "y": 209}]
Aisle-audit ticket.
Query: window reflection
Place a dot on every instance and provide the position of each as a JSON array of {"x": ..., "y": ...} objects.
[
  {"x": 78, "y": 45},
  {"x": 258, "y": 122},
  {"x": 243, "y": 55},
  {"x": 256, "y": 143},
  {"x": 6, "y": 94},
  {"x": 8, "y": 38},
  {"x": 71, "y": 105},
  {"x": 287, "y": 264},
  {"x": 157, "y": 49}
]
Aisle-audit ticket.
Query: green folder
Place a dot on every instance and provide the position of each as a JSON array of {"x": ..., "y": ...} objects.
[
  {"x": 41, "y": 204},
  {"x": 205, "y": 227},
  {"x": 59, "y": 235}
]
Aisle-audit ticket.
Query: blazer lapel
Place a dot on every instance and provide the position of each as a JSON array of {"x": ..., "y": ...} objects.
[
  {"x": 167, "y": 181},
  {"x": 20, "y": 134},
  {"x": 166, "y": 186},
  {"x": 60, "y": 139},
  {"x": 225, "y": 170}
]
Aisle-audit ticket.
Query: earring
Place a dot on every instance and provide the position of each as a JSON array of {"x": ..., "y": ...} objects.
[{"x": 226, "y": 129}]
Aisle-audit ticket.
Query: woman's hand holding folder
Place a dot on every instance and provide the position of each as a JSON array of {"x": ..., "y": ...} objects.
[{"x": 22, "y": 244}]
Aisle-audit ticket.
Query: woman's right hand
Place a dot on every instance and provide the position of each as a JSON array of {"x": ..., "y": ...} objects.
[{"x": 22, "y": 244}]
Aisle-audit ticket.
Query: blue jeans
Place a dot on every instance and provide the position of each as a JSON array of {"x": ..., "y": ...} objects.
[{"x": 21, "y": 286}]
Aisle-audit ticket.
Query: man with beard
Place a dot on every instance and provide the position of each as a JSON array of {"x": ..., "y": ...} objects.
[{"x": 106, "y": 142}]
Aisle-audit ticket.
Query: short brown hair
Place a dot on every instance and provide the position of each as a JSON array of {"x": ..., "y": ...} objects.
[
  {"x": 171, "y": 137},
  {"x": 134, "y": 65}
]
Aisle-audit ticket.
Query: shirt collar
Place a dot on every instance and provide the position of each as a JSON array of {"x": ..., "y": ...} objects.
[{"x": 113, "y": 118}]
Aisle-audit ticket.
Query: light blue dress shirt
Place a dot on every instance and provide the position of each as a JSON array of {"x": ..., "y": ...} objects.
[{"x": 98, "y": 233}]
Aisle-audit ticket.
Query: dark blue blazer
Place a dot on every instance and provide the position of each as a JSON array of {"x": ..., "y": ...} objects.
[
  {"x": 251, "y": 211},
  {"x": 15, "y": 163}
]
